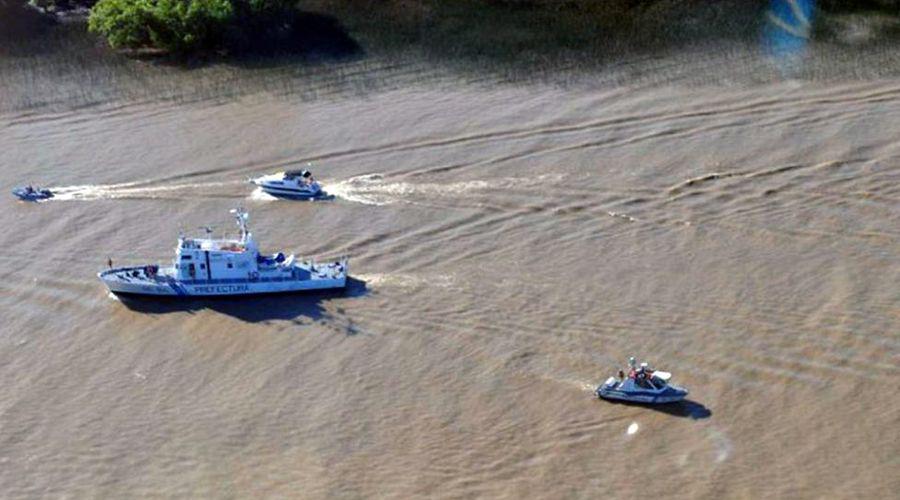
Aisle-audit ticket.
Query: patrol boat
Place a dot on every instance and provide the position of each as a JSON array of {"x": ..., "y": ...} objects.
[
  {"x": 291, "y": 184},
  {"x": 642, "y": 385},
  {"x": 209, "y": 267}
]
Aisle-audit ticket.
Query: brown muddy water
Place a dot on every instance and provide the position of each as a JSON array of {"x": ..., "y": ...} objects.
[{"x": 513, "y": 245}]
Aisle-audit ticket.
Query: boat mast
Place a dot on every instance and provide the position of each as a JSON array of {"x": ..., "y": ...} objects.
[{"x": 241, "y": 215}]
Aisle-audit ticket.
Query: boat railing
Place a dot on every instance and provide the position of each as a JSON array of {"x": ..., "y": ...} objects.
[
  {"x": 159, "y": 275},
  {"x": 342, "y": 259}
]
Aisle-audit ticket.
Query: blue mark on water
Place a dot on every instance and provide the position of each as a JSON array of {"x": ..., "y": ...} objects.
[{"x": 787, "y": 30}]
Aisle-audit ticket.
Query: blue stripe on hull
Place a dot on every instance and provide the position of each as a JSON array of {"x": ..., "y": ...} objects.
[
  {"x": 640, "y": 398},
  {"x": 293, "y": 194},
  {"x": 296, "y": 196},
  {"x": 183, "y": 293},
  {"x": 219, "y": 287},
  {"x": 210, "y": 289}
]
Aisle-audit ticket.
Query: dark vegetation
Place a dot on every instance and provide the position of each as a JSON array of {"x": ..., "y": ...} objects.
[
  {"x": 857, "y": 5},
  {"x": 472, "y": 28},
  {"x": 18, "y": 21},
  {"x": 190, "y": 26},
  {"x": 535, "y": 30},
  {"x": 201, "y": 49},
  {"x": 182, "y": 29}
]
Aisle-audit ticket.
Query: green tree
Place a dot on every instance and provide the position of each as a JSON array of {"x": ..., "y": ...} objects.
[
  {"x": 124, "y": 23},
  {"x": 178, "y": 26},
  {"x": 185, "y": 25}
]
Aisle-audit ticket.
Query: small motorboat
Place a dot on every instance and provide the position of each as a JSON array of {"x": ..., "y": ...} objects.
[
  {"x": 291, "y": 184},
  {"x": 642, "y": 384},
  {"x": 31, "y": 193}
]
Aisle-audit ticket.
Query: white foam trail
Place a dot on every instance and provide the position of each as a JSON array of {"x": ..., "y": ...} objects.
[
  {"x": 89, "y": 192},
  {"x": 620, "y": 215},
  {"x": 371, "y": 189},
  {"x": 722, "y": 444},
  {"x": 259, "y": 195},
  {"x": 86, "y": 191},
  {"x": 362, "y": 189},
  {"x": 405, "y": 280},
  {"x": 586, "y": 386}
]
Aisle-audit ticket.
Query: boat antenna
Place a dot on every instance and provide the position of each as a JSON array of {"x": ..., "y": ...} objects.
[{"x": 241, "y": 215}]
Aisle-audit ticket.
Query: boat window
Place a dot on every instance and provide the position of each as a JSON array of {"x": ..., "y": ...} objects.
[
  {"x": 202, "y": 266},
  {"x": 185, "y": 257},
  {"x": 230, "y": 265}
]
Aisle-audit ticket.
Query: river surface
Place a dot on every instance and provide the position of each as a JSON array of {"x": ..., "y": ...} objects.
[{"x": 511, "y": 245}]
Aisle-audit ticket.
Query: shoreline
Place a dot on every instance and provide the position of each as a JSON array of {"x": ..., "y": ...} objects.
[{"x": 68, "y": 67}]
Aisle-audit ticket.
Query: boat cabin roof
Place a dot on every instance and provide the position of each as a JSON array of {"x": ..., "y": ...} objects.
[{"x": 212, "y": 245}]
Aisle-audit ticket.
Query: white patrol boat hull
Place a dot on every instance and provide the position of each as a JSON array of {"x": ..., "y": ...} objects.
[
  {"x": 138, "y": 281},
  {"x": 205, "y": 267},
  {"x": 134, "y": 281}
]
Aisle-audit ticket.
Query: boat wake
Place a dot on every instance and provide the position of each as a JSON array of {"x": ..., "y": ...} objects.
[
  {"x": 373, "y": 189},
  {"x": 405, "y": 280},
  {"x": 259, "y": 195},
  {"x": 722, "y": 445},
  {"x": 585, "y": 385},
  {"x": 138, "y": 190}
]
